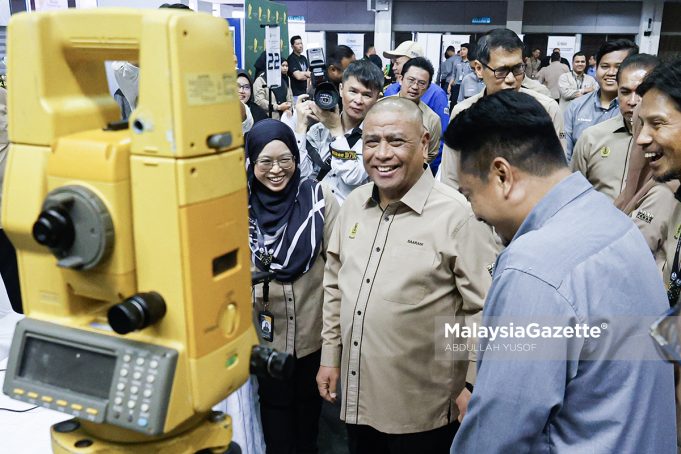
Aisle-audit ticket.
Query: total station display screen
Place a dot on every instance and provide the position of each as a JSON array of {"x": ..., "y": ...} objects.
[{"x": 67, "y": 367}]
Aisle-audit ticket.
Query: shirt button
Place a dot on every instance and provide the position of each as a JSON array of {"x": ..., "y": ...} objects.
[
  {"x": 368, "y": 280},
  {"x": 353, "y": 372},
  {"x": 290, "y": 299},
  {"x": 355, "y": 343},
  {"x": 378, "y": 249},
  {"x": 359, "y": 312},
  {"x": 386, "y": 218},
  {"x": 290, "y": 318}
]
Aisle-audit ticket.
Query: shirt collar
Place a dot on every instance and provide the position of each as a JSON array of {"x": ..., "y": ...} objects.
[
  {"x": 415, "y": 198},
  {"x": 560, "y": 195},
  {"x": 597, "y": 101},
  {"x": 677, "y": 194}
]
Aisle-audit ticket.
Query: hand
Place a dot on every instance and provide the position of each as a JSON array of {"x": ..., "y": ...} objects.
[
  {"x": 461, "y": 402},
  {"x": 588, "y": 90},
  {"x": 308, "y": 74},
  {"x": 327, "y": 381},
  {"x": 304, "y": 114},
  {"x": 330, "y": 119},
  {"x": 284, "y": 106}
]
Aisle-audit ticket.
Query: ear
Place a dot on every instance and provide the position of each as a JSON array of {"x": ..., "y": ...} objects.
[
  {"x": 425, "y": 142},
  {"x": 502, "y": 175},
  {"x": 478, "y": 68}
]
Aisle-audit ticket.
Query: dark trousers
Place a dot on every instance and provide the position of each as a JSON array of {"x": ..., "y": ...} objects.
[
  {"x": 10, "y": 272},
  {"x": 367, "y": 440},
  {"x": 454, "y": 96},
  {"x": 290, "y": 409}
]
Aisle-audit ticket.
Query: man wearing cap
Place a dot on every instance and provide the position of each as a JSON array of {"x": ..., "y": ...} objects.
[
  {"x": 406, "y": 250},
  {"x": 434, "y": 97},
  {"x": 499, "y": 62},
  {"x": 602, "y": 152}
]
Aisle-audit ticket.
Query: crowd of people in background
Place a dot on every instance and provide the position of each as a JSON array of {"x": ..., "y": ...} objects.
[{"x": 372, "y": 166}]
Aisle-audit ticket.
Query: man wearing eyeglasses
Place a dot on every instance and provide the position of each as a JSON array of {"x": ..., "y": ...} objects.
[
  {"x": 417, "y": 74},
  {"x": 500, "y": 65}
]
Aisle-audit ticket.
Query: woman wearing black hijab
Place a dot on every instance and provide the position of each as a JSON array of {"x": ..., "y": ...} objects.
[
  {"x": 290, "y": 220},
  {"x": 245, "y": 90}
]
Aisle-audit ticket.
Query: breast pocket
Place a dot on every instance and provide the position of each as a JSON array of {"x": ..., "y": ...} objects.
[{"x": 403, "y": 273}]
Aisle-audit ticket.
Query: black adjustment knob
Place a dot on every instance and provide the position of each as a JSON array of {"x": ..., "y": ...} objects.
[
  {"x": 137, "y": 312},
  {"x": 267, "y": 362},
  {"x": 54, "y": 229}
]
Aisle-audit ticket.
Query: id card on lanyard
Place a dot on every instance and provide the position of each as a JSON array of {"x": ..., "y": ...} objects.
[{"x": 265, "y": 317}]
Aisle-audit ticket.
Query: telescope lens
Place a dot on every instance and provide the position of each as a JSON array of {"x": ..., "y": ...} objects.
[{"x": 137, "y": 312}]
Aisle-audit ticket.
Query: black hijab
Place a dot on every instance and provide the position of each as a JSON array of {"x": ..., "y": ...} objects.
[
  {"x": 285, "y": 227},
  {"x": 257, "y": 112}
]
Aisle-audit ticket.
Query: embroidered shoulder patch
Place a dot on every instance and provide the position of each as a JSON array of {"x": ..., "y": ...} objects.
[
  {"x": 604, "y": 151},
  {"x": 344, "y": 155},
  {"x": 645, "y": 216}
]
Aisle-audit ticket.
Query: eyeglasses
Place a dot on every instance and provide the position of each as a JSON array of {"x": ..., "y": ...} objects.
[
  {"x": 244, "y": 87},
  {"x": 266, "y": 164},
  {"x": 419, "y": 83},
  {"x": 501, "y": 73}
]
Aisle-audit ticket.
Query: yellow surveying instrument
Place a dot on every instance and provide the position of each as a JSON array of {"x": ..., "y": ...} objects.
[{"x": 131, "y": 237}]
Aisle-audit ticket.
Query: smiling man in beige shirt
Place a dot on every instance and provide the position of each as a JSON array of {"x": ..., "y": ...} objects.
[{"x": 405, "y": 251}]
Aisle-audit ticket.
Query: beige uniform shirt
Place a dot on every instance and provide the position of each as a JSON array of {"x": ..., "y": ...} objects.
[
  {"x": 260, "y": 96},
  {"x": 389, "y": 274},
  {"x": 434, "y": 126},
  {"x": 673, "y": 234},
  {"x": 652, "y": 216},
  {"x": 570, "y": 86},
  {"x": 550, "y": 75},
  {"x": 601, "y": 154},
  {"x": 448, "y": 171},
  {"x": 297, "y": 307},
  {"x": 531, "y": 84}
]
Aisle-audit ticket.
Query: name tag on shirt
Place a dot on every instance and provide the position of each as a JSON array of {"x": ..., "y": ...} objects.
[
  {"x": 344, "y": 155},
  {"x": 266, "y": 322}
]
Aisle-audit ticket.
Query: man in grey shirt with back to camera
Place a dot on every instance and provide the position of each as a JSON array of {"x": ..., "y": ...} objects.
[{"x": 575, "y": 265}]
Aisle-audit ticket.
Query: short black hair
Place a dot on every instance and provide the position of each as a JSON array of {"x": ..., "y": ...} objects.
[
  {"x": 467, "y": 46},
  {"x": 615, "y": 45},
  {"x": 510, "y": 125},
  {"x": 638, "y": 61},
  {"x": 665, "y": 78},
  {"x": 419, "y": 62},
  {"x": 450, "y": 49},
  {"x": 578, "y": 54},
  {"x": 497, "y": 38},
  {"x": 555, "y": 56},
  {"x": 338, "y": 54},
  {"x": 366, "y": 73},
  {"x": 294, "y": 38}
]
